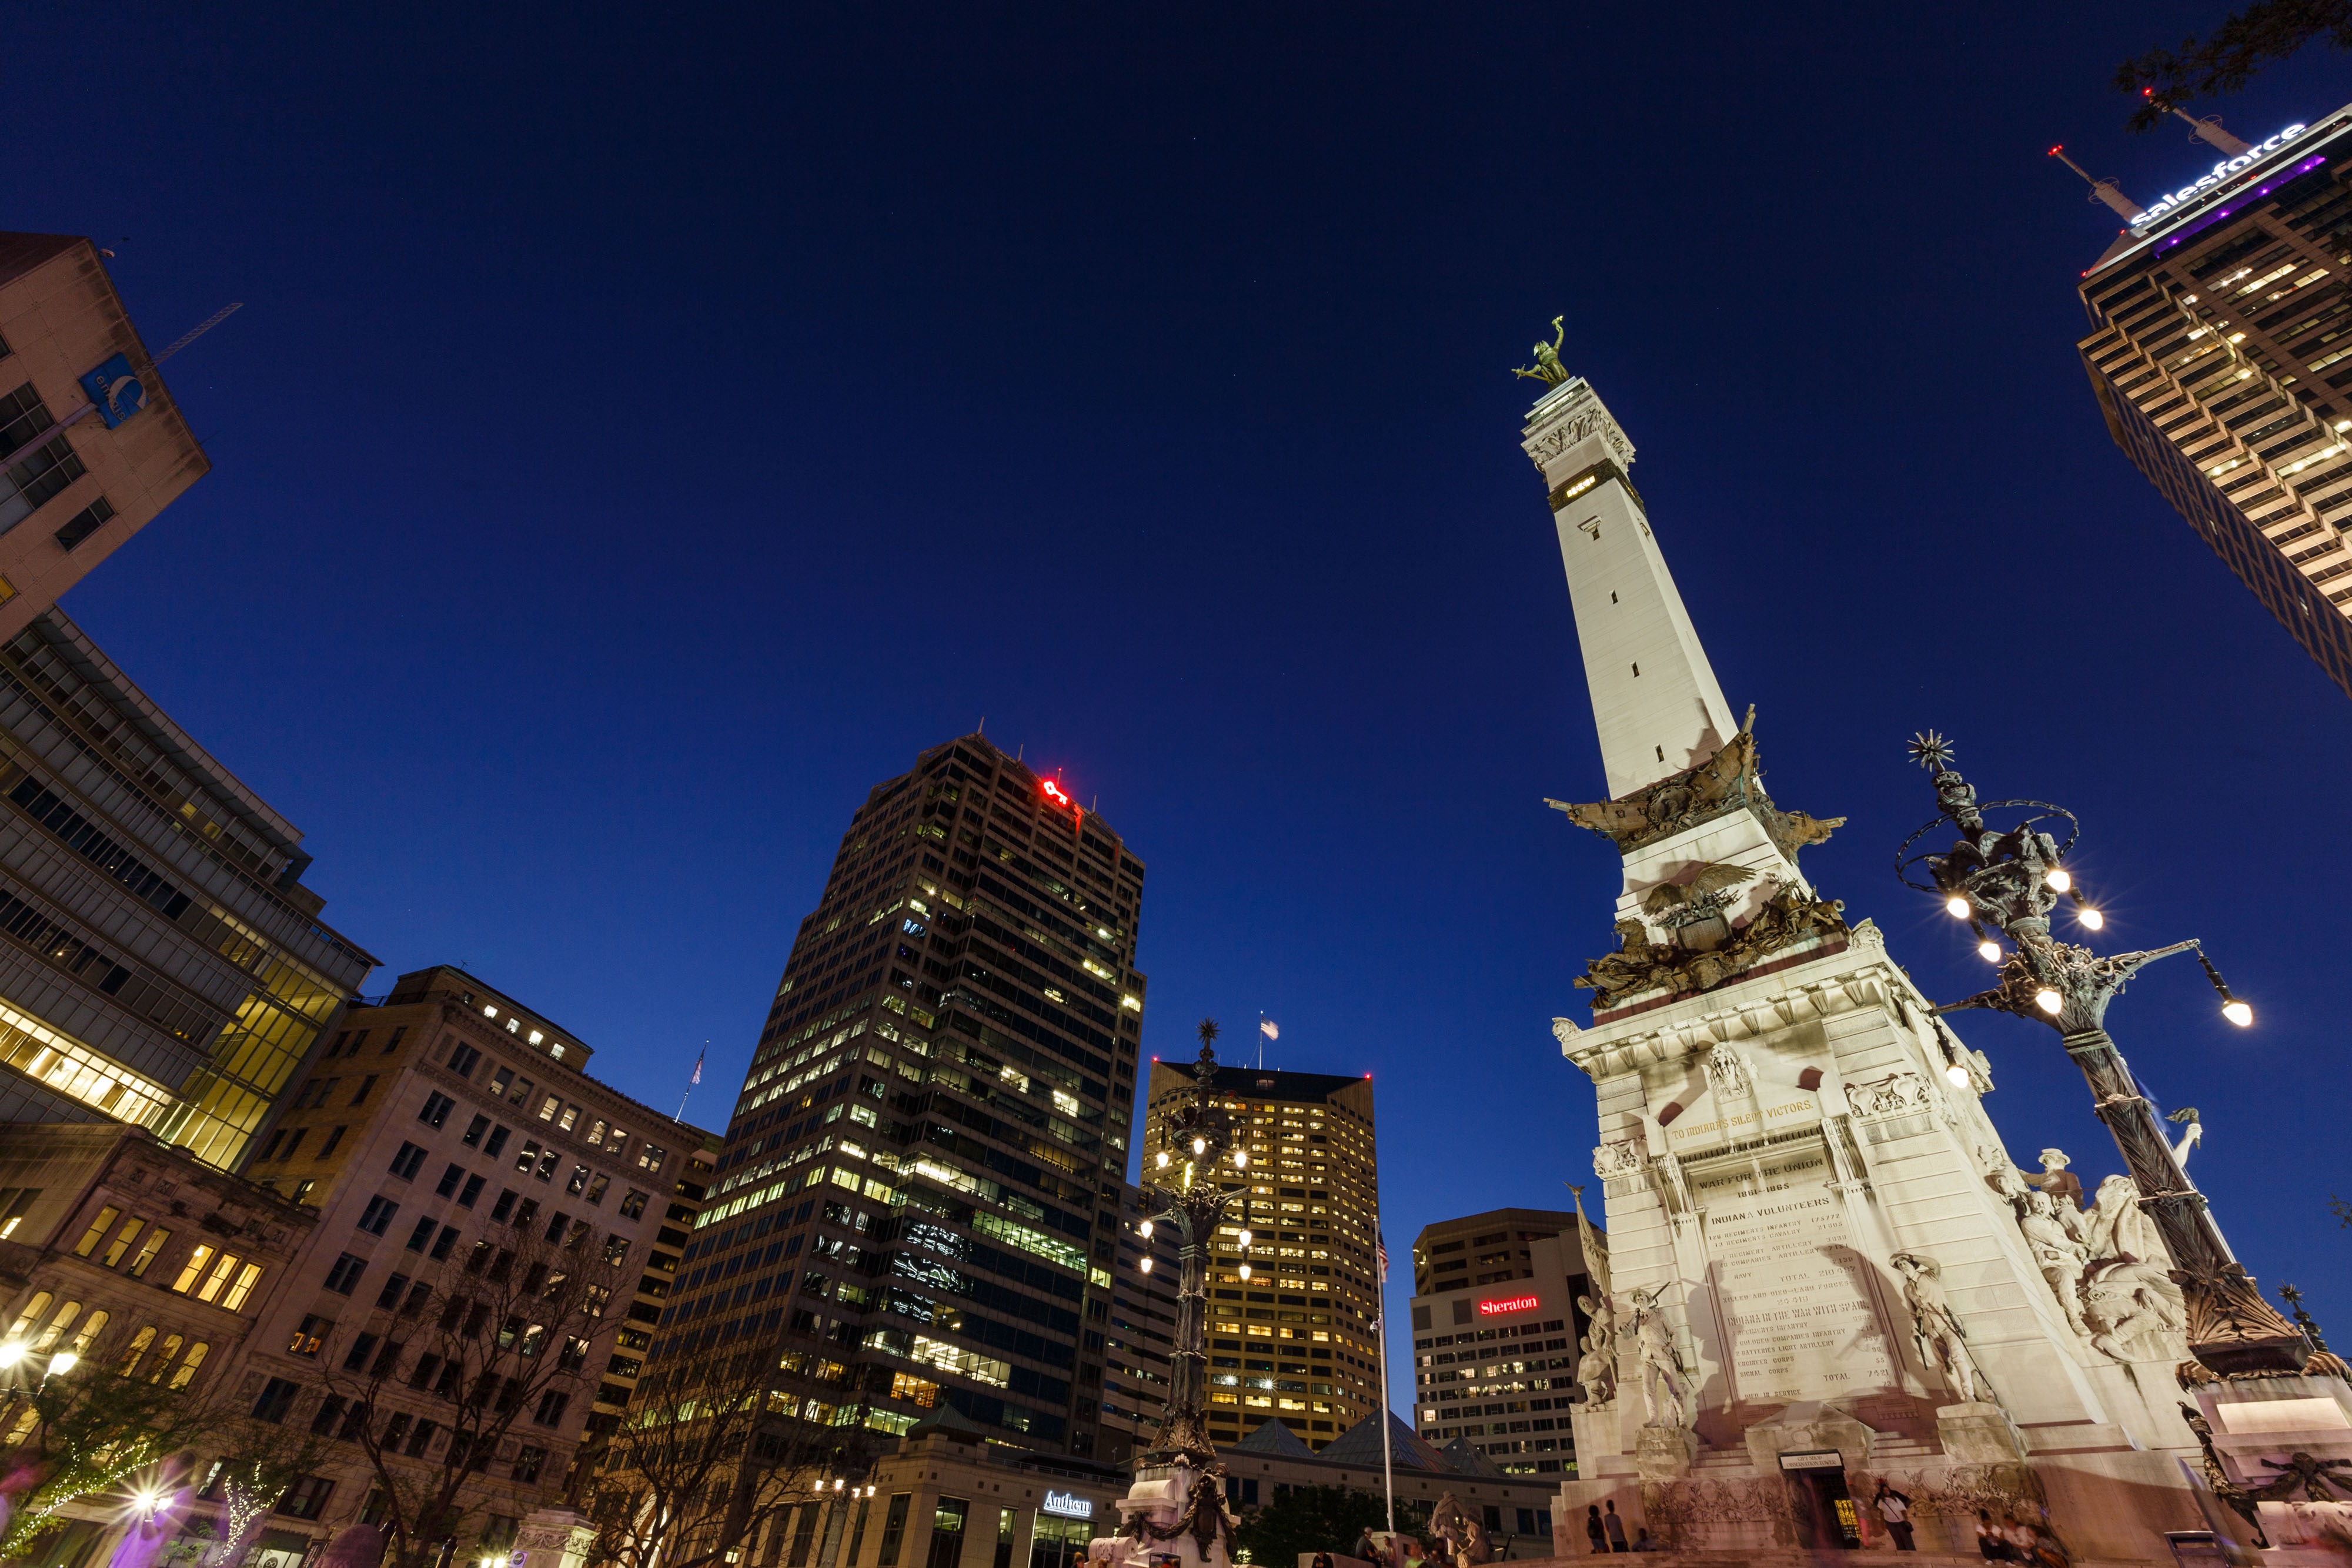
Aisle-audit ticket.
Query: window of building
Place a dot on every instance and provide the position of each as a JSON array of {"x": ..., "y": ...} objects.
[
  {"x": 121, "y": 1242},
  {"x": 405, "y": 1164},
  {"x": 436, "y": 1109},
  {"x": 345, "y": 1275},
  {"x": 894, "y": 1529},
  {"x": 97, "y": 1231},
  {"x": 276, "y": 1398},
  {"x": 378, "y": 1214},
  {"x": 86, "y": 523},
  {"x": 307, "y": 1498}
]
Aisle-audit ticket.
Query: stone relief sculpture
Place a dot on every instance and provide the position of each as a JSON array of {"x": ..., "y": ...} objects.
[
  {"x": 2128, "y": 1294},
  {"x": 1621, "y": 1158},
  {"x": 1640, "y": 965},
  {"x": 1897, "y": 1094},
  {"x": 2190, "y": 1135},
  {"x": 2057, "y": 1253},
  {"x": 1596, "y": 1371},
  {"x": 2064, "y": 1187},
  {"x": 1565, "y": 1032},
  {"x": 1942, "y": 1343},
  {"x": 1666, "y": 1382}
]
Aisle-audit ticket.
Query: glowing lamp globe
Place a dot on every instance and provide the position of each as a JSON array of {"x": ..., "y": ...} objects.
[
  {"x": 1988, "y": 950},
  {"x": 1956, "y": 906},
  {"x": 2059, "y": 880},
  {"x": 1957, "y": 1075},
  {"x": 2048, "y": 1000},
  {"x": 2237, "y": 1013}
]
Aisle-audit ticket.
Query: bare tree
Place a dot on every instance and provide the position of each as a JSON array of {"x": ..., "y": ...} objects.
[
  {"x": 84, "y": 1416},
  {"x": 2225, "y": 59},
  {"x": 453, "y": 1362},
  {"x": 720, "y": 1447},
  {"x": 252, "y": 1464}
]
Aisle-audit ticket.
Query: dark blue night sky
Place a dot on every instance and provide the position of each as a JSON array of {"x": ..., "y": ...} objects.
[{"x": 646, "y": 430}]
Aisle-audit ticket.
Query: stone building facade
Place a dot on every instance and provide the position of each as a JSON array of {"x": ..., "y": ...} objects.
[{"x": 450, "y": 1122}]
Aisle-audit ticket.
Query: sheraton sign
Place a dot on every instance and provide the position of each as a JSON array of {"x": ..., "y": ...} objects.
[{"x": 1500, "y": 1306}]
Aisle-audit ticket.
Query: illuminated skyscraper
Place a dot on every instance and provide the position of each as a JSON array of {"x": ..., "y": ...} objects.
[
  {"x": 1290, "y": 1315},
  {"x": 2222, "y": 355},
  {"x": 920, "y": 1186}
]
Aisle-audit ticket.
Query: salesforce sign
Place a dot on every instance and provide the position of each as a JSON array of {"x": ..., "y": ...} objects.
[{"x": 2166, "y": 206}]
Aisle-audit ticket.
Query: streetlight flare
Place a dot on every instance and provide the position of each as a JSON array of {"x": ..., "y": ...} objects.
[
  {"x": 66, "y": 1360},
  {"x": 1244, "y": 1238},
  {"x": 2091, "y": 918},
  {"x": 2237, "y": 1013},
  {"x": 1988, "y": 950},
  {"x": 2048, "y": 1000},
  {"x": 2060, "y": 879},
  {"x": 1144, "y": 1230},
  {"x": 1144, "y": 1264},
  {"x": 1200, "y": 1145},
  {"x": 1956, "y": 906},
  {"x": 1246, "y": 1271},
  {"x": 1957, "y": 1075}
]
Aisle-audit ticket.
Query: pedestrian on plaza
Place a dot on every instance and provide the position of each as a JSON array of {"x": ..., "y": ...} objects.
[
  {"x": 1642, "y": 1542},
  {"x": 1895, "y": 1510},
  {"x": 1615, "y": 1526},
  {"x": 1990, "y": 1541},
  {"x": 1592, "y": 1528}
]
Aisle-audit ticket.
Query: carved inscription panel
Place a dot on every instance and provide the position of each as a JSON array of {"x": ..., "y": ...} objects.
[{"x": 1792, "y": 1290}]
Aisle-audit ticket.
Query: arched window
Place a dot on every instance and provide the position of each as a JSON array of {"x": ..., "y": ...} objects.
[
  {"x": 166, "y": 1355},
  {"x": 58, "y": 1326},
  {"x": 91, "y": 1327},
  {"x": 33, "y": 1312},
  {"x": 189, "y": 1363},
  {"x": 24, "y": 1425},
  {"x": 139, "y": 1345}
]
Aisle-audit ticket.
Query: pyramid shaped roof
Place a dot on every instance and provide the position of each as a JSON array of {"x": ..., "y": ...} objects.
[
  {"x": 1464, "y": 1459},
  {"x": 1360, "y": 1445},
  {"x": 1272, "y": 1438}
]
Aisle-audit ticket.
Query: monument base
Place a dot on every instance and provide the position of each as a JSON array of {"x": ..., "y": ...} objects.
[
  {"x": 1664, "y": 1453},
  {"x": 1979, "y": 1434},
  {"x": 1157, "y": 1518}
]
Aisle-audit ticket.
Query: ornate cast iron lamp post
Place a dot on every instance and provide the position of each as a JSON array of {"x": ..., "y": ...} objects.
[
  {"x": 2011, "y": 878},
  {"x": 1196, "y": 1145}
]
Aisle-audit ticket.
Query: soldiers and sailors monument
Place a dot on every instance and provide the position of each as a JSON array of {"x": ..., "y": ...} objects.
[{"x": 1826, "y": 1269}]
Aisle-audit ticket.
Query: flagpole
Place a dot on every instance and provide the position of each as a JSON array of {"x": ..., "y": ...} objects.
[
  {"x": 1381, "y": 1332},
  {"x": 691, "y": 1082}
]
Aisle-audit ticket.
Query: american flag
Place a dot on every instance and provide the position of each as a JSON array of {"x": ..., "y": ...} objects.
[
  {"x": 1266, "y": 1028},
  {"x": 1384, "y": 1256},
  {"x": 697, "y": 1070}
]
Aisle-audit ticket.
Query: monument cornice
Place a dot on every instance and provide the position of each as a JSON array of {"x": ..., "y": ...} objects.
[{"x": 1570, "y": 413}]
